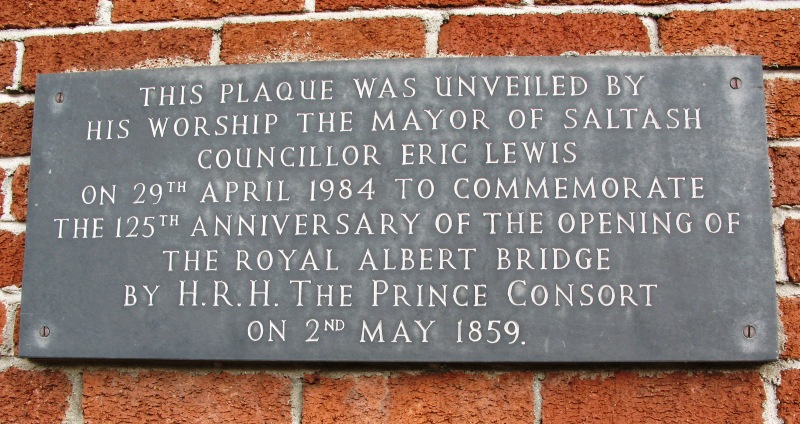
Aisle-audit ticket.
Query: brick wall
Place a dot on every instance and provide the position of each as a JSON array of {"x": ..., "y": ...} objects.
[{"x": 78, "y": 35}]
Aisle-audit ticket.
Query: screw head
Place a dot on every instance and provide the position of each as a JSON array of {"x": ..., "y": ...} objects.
[
  {"x": 736, "y": 83},
  {"x": 749, "y": 331},
  {"x": 44, "y": 331},
  {"x": 59, "y": 97}
]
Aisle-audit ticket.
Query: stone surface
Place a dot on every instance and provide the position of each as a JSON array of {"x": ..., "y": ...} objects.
[
  {"x": 790, "y": 317},
  {"x": 497, "y": 35},
  {"x": 150, "y": 396},
  {"x": 131, "y": 49},
  {"x": 33, "y": 396},
  {"x": 166, "y": 10},
  {"x": 786, "y": 175},
  {"x": 19, "y": 190},
  {"x": 423, "y": 398},
  {"x": 8, "y": 60},
  {"x": 12, "y": 253},
  {"x": 662, "y": 397},
  {"x": 3, "y": 320},
  {"x": 319, "y": 40},
  {"x": 46, "y": 13},
  {"x": 683, "y": 272},
  {"x": 783, "y": 107},
  {"x": 772, "y": 34},
  {"x": 2, "y": 180},
  {"x": 16, "y": 125}
]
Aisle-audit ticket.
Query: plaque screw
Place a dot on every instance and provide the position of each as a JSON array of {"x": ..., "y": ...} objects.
[
  {"x": 736, "y": 83},
  {"x": 749, "y": 331},
  {"x": 44, "y": 331},
  {"x": 59, "y": 97}
]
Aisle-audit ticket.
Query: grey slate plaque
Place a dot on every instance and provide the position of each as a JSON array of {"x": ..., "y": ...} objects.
[{"x": 602, "y": 209}]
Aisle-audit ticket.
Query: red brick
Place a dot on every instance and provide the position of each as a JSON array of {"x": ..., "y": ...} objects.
[
  {"x": 19, "y": 193},
  {"x": 317, "y": 40},
  {"x": 791, "y": 238},
  {"x": 46, "y": 13},
  {"x": 480, "y": 35},
  {"x": 669, "y": 397},
  {"x": 643, "y": 2},
  {"x": 33, "y": 396},
  {"x": 783, "y": 107},
  {"x": 165, "y": 10},
  {"x": 16, "y": 124},
  {"x": 12, "y": 253},
  {"x": 378, "y": 4},
  {"x": 406, "y": 398},
  {"x": 790, "y": 317},
  {"x": 113, "y": 50},
  {"x": 775, "y": 35},
  {"x": 346, "y": 399},
  {"x": 156, "y": 396},
  {"x": 789, "y": 397},
  {"x": 8, "y": 60},
  {"x": 786, "y": 175}
]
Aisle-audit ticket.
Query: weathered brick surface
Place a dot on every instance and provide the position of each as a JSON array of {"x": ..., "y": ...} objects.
[
  {"x": 791, "y": 238},
  {"x": 8, "y": 60},
  {"x": 345, "y": 399},
  {"x": 775, "y": 35},
  {"x": 165, "y": 10},
  {"x": 790, "y": 318},
  {"x": 12, "y": 253},
  {"x": 786, "y": 173},
  {"x": 46, "y": 13},
  {"x": 19, "y": 190},
  {"x": 542, "y": 34},
  {"x": 783, "y": 107},
  {"x": 405, "y": 398},
  {"x": 377, "y": 4},
  {"x": 16, "y": 124},
  {"x": 460, "y": 397},
  {"x": 668, "y": 397},
  {"x": 33, "y": 396},
  {"x": 159, "y": 396},
  {"x": 609, "y": 2},
  {"x": 317, "y": 40},
  {"x": 114, "y": 50},
  {"x": 789, "y": 397}
]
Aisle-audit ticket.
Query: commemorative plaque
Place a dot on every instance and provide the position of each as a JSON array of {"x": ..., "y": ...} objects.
[{"x": 600, "y": 209}]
